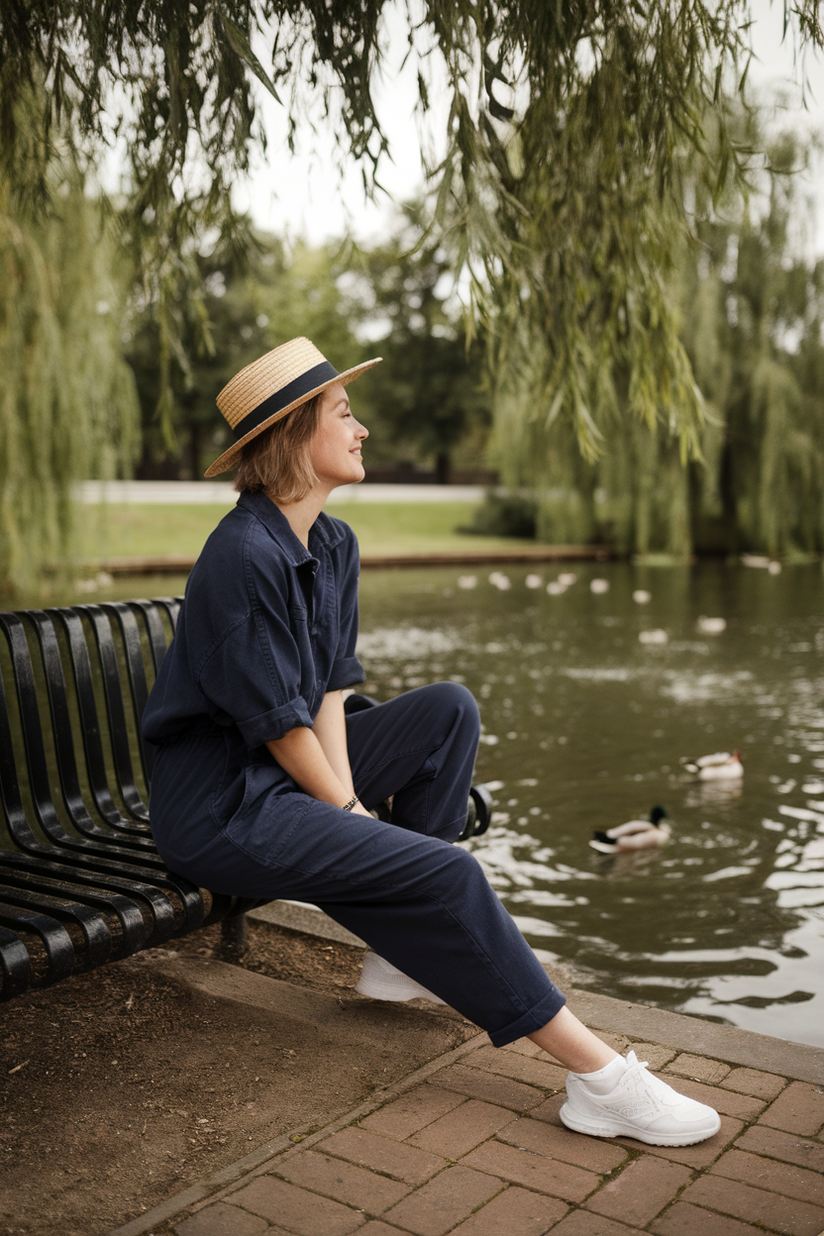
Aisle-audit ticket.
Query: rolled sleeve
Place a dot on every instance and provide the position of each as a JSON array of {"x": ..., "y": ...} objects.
[
  {"x": 269, "y": 726},
  {"x": 346, "y": 672}
]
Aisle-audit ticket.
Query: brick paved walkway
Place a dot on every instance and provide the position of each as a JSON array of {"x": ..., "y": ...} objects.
[{"x": 473, "y": 1145}]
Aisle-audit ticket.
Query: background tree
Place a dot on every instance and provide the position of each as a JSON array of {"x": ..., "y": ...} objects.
[
  {"x": 748, "y": 296},
  {"x": 68, "y": 406},
  {"x": 429, "y": 395},
  {"x": 753, "y": 306},
  {"x": 424, "y": 401},
  {"x": 746, "y": 299}
]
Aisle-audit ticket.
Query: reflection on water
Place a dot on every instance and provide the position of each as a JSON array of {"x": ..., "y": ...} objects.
[
  {"x": 585, "y": 724},
  {"x": 712, "y": 793}
]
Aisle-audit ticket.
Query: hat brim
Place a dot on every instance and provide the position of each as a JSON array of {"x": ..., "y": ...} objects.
[{"x": 230, "y": 457}]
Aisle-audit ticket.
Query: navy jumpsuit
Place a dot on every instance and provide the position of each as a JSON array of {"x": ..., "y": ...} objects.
[{"x": 266, "y": 630}]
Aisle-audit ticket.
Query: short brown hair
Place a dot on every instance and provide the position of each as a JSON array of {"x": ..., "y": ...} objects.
[{"x": 277, "y": 460}]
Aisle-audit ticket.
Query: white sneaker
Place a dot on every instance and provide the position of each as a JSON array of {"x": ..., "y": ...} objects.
[
  {"x": 380, "y": 980},
  {"x": 640, "y": 1106}
]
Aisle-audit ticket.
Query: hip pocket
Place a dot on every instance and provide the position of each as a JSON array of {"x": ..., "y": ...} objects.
[{"x": 267, "y": 817}]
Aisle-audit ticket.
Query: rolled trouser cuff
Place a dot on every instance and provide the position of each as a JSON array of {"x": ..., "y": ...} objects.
[{"x": 529, "y": 1022}]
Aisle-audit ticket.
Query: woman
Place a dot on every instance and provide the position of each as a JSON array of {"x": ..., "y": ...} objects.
[{"x": 263, "y": 788}]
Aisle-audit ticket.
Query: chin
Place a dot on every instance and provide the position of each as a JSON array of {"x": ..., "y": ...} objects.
[{"x": 353, "y": 475}]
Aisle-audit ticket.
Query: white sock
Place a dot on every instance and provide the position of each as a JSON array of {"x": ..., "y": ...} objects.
[{"x": 606, "y": 1079}]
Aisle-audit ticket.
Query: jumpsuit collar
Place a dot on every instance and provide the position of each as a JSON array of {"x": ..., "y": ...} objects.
[{"x": 324, "y": 534}]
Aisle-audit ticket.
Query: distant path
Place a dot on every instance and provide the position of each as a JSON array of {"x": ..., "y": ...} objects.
[
  {"x": 221, "y": 493},
  {"x": 180, "y": 564}
]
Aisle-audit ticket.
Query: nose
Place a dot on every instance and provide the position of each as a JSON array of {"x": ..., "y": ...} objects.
[{"x": 362, "y": 432}]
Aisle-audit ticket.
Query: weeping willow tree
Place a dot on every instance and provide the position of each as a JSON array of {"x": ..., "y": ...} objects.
[
  {"x": 68, "y": 407},
  {"x": 747, "y": 301},
  {"x": 752, "y": 302},
  {"x": 559, "y": 126}
]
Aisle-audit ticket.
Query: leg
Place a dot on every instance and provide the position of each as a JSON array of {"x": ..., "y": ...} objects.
[
  {"x": 437, "y": 919},
  {"x": 607, "y": 1095},
  {"x": 419, "y": 747},
  {"x": 420, "y": 902},
  {"x": 571, "y": 1043}
]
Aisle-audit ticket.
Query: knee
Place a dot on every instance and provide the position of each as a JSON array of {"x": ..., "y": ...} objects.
[
  {"x": 464, "y": 876},
  {"x": 455, "y": 698}
]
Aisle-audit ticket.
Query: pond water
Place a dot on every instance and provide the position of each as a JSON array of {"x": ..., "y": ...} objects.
[{"x": 585, "y": 722}]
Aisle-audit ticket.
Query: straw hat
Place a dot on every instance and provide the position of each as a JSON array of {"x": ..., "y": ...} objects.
[{"x": 270, "y": 387}]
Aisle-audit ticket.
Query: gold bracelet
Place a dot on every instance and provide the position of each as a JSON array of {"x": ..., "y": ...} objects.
[{"x": 348, "y": 806}]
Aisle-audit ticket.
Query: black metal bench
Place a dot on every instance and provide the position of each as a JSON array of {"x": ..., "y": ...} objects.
[{"x": 81, "y": 882}]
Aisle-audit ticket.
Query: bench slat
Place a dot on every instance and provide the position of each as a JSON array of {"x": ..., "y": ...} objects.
[
  {"x": 62, "y": 735},
  {"x": 136, "y": 670},
  {"x": 15, "y": 966},
  {"x": 172, "y": 608},
  {"x": 56, "y": 942},
  {"x": 154, "y": 628},
  {"x": 24, "y": 681},
  {"x": 96, "y": 946},
  {"x": 103, "y": 844},
  {"x": 118, "y": 729},
  {"x": 89, "y": 721},
  {"x": 133, "y": 929},
  {"x": 158, "y": 906}
]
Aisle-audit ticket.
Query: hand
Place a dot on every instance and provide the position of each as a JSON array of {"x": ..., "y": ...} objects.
[{"x": 359, "y": 809}]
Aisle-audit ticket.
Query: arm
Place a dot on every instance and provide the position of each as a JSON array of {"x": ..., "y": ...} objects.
[
  {"x": 330, "y": 731},
  {"x": 317, "y": 759}
]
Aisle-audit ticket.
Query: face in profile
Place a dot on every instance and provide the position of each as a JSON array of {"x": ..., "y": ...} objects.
[{"x": 335, "y": 449}]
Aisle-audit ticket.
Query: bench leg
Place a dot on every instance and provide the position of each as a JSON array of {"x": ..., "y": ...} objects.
[{"x": 233, "y": 943}]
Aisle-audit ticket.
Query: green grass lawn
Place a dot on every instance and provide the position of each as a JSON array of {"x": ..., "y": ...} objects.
[{"x": 121, "y": 531}]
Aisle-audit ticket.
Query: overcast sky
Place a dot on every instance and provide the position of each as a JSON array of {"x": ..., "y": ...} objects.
[{"x": 301, "y": 195}]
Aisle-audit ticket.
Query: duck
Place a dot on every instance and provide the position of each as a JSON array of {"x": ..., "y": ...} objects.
[
  {"x": 642, "y": 834},
  {"x": 711, "y": 626},
  {"x": 722, "y": 766}
]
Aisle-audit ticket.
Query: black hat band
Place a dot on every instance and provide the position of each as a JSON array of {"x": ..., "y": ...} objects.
[{"x": 304, "y": 385}]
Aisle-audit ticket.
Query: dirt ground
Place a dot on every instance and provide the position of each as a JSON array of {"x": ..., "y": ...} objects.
[{"x": 122, "y": 1087}]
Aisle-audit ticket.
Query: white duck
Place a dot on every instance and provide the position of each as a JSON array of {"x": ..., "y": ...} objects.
[
  {"x": 634, "y": 835},
  {"x": 722, "y": 766}
]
